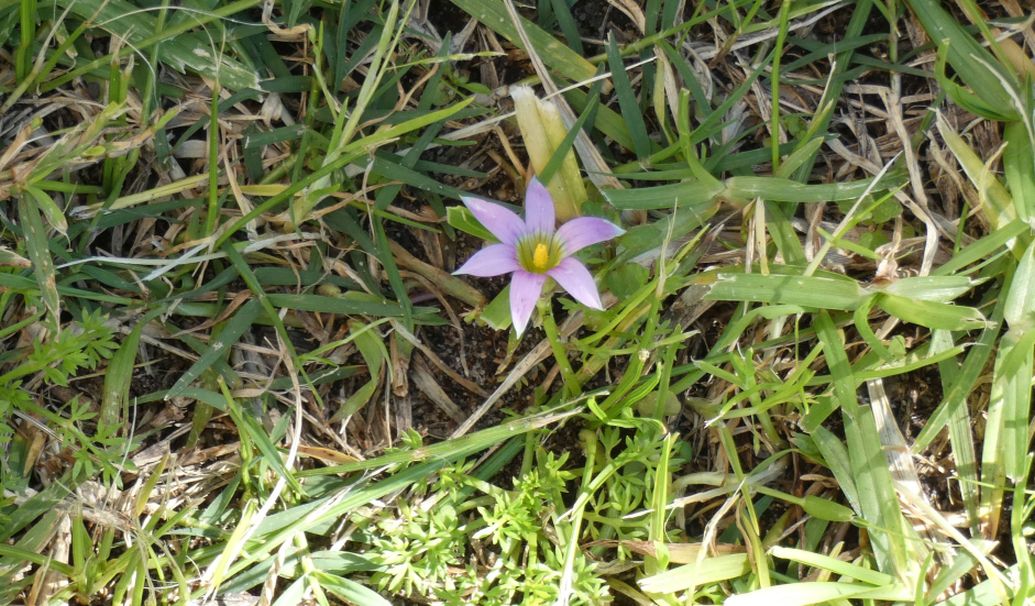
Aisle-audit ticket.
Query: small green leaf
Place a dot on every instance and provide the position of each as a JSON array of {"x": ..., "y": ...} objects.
[
  {"x": 689, "y": 195},
  {"x": 775, "y": 189},
  {"x": 374, "y": 353},
  {"x": 627, "y": 279},
  {"x": 705, "y": 572},
  {"x": 807, "y": 291},
  {"x": 835, "y": 565},
  {"x": 118, "y": 378},
  {"x": 932, "y": 314},
  {"x": 1020, "y": 298},
  {"x": 826, "y": 509},
  {"x": 459, "y": 217},
  {"x": 50, "y": 209},
  {"x": 941, "y": 289},
  {"x": 497, "y": 313}
]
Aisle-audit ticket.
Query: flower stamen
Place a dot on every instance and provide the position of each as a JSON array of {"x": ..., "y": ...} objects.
[{"x": 541, "y": 257}]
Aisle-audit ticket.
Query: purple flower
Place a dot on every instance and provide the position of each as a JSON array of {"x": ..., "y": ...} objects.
[{"x": 533, "y": 250}]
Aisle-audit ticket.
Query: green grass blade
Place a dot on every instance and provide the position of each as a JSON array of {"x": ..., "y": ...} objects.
[
  {"x": 932, "y": 314},
  {"x": 627, "y": 100},
  {"x": 808, "y": 291},
  {"x": 37, "y": 242},
  {"x": 219, "y": 347},
  {"x": 976, "y": 66},
  {"x": 564, "y": 60},
  {"x": 703, "y": 572}
]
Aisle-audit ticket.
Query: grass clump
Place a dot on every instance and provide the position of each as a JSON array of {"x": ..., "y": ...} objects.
[{"x": 237, "y": 366}]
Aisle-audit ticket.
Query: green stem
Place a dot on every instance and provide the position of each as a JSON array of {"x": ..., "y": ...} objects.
[
  {"x": 774, "y": 118},
  {"x": 212, "y": 216},
  {"x": 571, "y": 384}
]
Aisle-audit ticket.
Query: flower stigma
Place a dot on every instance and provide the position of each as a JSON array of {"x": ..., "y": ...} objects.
[
  {"x": 541, "y": 257},
  {"x": 539, "y": 253}
]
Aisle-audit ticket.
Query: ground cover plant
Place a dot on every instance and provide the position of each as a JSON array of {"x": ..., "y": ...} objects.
[{"x": 286, "y": 318}]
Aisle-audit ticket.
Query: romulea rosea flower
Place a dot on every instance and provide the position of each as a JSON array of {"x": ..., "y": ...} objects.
[{"x": 534, "y": 249}]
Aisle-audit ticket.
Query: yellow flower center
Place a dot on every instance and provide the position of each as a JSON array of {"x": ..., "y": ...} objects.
[
  {"x": 541, "y": 257},
  {"x": 539, "y": 253}
]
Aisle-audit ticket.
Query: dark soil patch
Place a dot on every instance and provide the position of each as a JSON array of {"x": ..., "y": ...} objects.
[{"x": 446, "y": 16}]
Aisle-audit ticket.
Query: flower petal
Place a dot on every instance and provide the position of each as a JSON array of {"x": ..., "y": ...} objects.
[
  {"x": 576, "y": 279},
  {"x": 502, "y": 222},
  {"x": 585, "y": 231},
  {"x": 539, "y": 210},
  {"x": 525, "y": 289},
  {"x": 493, "y": 260}
]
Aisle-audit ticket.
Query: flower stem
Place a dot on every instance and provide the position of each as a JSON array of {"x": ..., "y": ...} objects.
[{"x": 571, "y": 383}]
